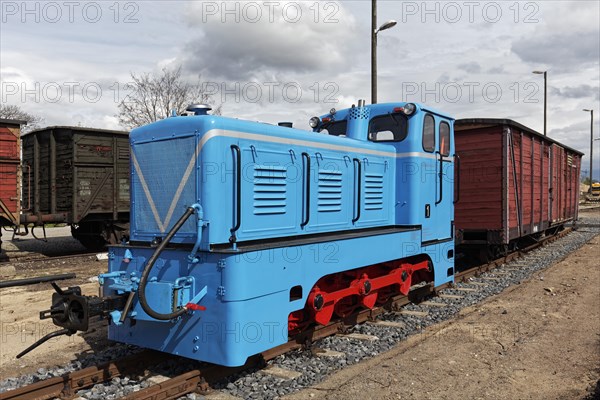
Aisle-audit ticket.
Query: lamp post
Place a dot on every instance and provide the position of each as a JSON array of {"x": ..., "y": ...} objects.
[
  {"x": 374, "y": 31},
  {"x": 591, "y": 142},
  {"x": 545, "y": 96}
]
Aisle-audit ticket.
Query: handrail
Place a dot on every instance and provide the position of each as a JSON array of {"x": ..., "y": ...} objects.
[
  {"x": 441, "y": 176},
  {"x": 305, "y": 221},
  {"x": 238, "y": 191},
  {"x": 457, "y": 177},
  {"x": 356, "y": 160}
]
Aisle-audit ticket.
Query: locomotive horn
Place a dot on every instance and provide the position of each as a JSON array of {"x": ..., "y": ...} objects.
[{"x": 199, "y": 109}]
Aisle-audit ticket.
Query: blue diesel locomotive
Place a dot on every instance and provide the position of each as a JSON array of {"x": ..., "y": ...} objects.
[{"x": 244, "y": 233}]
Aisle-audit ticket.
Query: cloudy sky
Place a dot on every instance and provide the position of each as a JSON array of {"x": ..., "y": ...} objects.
[{"x": 287, "y": 61}]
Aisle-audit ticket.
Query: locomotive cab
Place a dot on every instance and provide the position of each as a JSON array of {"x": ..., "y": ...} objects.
[{"x": 422, "y": 139}]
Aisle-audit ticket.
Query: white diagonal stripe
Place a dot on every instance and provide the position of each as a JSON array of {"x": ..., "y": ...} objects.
[{"x": 182, "y": 184}]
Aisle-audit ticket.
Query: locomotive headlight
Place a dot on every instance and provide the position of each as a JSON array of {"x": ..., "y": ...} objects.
[
  {"x": 409, "y": 108},
  {"x": 314, "y": 122}
]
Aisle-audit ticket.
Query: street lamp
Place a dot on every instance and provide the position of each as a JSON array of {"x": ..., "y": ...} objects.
[
  {"x": 545, "y": 96},
  {"x": 591, "y": 141},
  {"x": 374, "y": 31},
  {"x": 385, "y": 26}
]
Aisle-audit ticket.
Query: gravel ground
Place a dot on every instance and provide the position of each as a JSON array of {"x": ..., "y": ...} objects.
[{"x": 256, "y": 384}]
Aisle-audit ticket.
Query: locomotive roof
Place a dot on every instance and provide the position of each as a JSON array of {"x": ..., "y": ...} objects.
[
  {"x": 78, "y": 128},
  {"x": 385, "y": 107},
  {"x": 483, "y": 122}
]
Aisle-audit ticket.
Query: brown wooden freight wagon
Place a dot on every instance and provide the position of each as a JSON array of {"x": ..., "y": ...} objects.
[
  {"x": 512, "y": 182},
  {"x": 78, "y": 176},
  {"x": 10, "y": 179}
]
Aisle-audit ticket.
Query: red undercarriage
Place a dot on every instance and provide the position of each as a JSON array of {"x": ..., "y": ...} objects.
[{"x": 343, "y": 292}]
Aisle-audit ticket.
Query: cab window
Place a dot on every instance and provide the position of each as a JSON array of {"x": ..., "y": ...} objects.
[
  {"x": 337, "y": 128},
  {"x": 444, "y": 138},
  {"x": 429, "y": 133},
  {"x": 392, "y": 127}
]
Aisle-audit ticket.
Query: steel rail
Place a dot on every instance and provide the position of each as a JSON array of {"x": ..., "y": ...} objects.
[
  {"x": 43, "y": 258},
  {"x": 66, "y": 386},
  {"x": 477, "y": 270}
]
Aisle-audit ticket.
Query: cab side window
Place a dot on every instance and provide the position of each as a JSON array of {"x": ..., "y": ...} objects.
[
  {"x": 337, "y": 128},
  {"x": 429, "y": 133},
  {"x": 388, "y": 128},
  {"x": 444, "y": 138}
]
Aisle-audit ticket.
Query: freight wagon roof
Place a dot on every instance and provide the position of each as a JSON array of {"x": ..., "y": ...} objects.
[
  {"x": 464, "y": 123},
  {"x": 11, "y": 122},
  {"x": 78, "y": 128}
]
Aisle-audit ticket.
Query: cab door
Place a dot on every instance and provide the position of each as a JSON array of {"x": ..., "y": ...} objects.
[
  {"x": 437, "y": 183},
  {"x": 445, "y": 189}
]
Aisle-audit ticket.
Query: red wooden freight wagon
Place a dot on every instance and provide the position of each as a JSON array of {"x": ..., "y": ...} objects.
[
  {"x": 10, "y": 173},
  {"x": 512, "y": 182},
  {"x": 10, "y": 178}
]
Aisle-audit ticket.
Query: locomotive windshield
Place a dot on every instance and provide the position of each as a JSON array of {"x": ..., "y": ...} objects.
[{"x": 392, "y": 127}]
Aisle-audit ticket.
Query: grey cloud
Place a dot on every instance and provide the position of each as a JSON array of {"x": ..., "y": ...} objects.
[
  {"x": 561, "y": 52},
  {"x": 577, "y": 92},
  {"x": 11, "y": 76},
  {"x": 496, "y": 70},
  {"x": 444, "y": 78},
  {"x": 470, "y": 67},
  {"x": 576, "y": 135},
  {"x": 243, "y": 51}
]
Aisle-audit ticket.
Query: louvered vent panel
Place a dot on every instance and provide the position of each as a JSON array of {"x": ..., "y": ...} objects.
[
  {"x": 269, "y": 190},
  {"x": 373, "y": 191},
  {"x": 330, "y": 191}
]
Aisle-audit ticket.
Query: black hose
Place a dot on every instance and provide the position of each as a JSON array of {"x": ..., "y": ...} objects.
[
  {"x": 49, "y": 336},
  {"x": 146, "y": 272}
]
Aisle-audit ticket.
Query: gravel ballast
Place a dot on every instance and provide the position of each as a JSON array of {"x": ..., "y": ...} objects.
[{"x": 256, "y": 384}]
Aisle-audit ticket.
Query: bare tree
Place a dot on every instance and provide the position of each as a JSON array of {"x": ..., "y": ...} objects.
[
  {"x": 154, "y": 96},
  {"x": 15, "y": 112}
]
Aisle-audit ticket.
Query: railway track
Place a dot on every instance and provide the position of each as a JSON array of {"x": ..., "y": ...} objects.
[
  {"x": 589, "y": 206},
  {"x": 44, "y": 258},
  {"x": 199, "y": 379}
]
